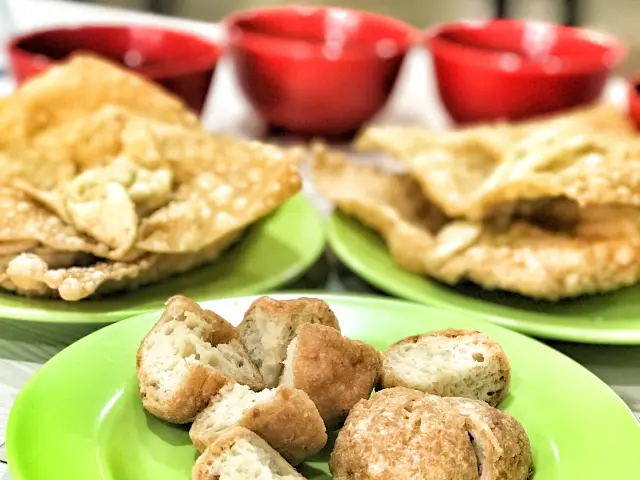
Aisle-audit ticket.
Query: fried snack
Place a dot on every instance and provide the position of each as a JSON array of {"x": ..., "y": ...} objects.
[
  {"x": 449, "y": 363},
  {"x": 240, "y": 454},
  {"x": 285, "y": 417},
  {"x": 29, "y": 274},
  {"x": 190, "y": 152},
  {"x": 403, "y": 434},
  {"x": 208, "y": 207},
  {"x": 24, "y": 220},
  {"x": 601, "y": 252},
  {"x": 79, "y": 87},
  {"x": 186, "y": 358},
  {"x": 109, "y": 202},
  {"x": 588, "y": 169},
  {"x": 88, "y": 141},
  {"x": 269, "y": 326},
  {"x": 52, "y": 200},
  {"x": 41, "y": 170},
  {"x": 584, "y": 156},
  {"x": 335, "y": 371},
  {"x": 120, "y": 186},
  {"x": 501, "y": 443}
]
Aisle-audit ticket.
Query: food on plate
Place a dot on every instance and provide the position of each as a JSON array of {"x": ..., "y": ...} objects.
[
  {"x": 194, "y": 366},
  {"x": 404, "y": 434},
  {"x": 448, "y": 363},
  {"x": 335, "y": 371},
  {"x": 122, "y": 182},
  {"x": 79, "y": 87},
  {"x": 269, "y": 325},
  {"x": 188, "y": 355},
  {"x": 284, "y": 417},
  {"x": 500, "y": 442},
  {"x": 586, "y": 157},
  {"x": 240, "y": 454},
  {"x": 546, "y": 209}
]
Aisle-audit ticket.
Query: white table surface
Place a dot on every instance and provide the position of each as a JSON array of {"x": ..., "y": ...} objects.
[{"x": 414, "y": 101}]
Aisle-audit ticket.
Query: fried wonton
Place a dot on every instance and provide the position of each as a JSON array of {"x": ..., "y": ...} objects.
[
  {"x": 209, "y": 207},
  {"x": 109, "y": 182},
  {"x": 41, "y": 170},
  {"x": 89, "y": 141},
  {"x": 30, "y": 274},
  {"x": 22, "y": 219},
  {"x": 601, "y": 252},
  {"x": 189, "y": 152},
  {"x": 80, "y": 87},
  {"x": 584, "y": 156}
]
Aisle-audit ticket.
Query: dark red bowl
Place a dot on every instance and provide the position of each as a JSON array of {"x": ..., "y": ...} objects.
[
  {"x": 634, "y": 101},
  {"x": 317, "y": 71},
  {"x": 183, "y": 63},
  {"x": 508, "y": 69}
]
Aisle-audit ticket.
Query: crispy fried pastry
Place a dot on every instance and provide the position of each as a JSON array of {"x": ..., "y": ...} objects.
[
  {"x": 586, "y": 156},
  {"x": 600, "y": 252},
  {"x": 23, "y": 219},
  {"x": 122, "y": 180},
  {"x": 30, "y": 274},
  {"x": 39, "y": 169},
  {"x": 208, "y": 207},
  {"x": 52, "y": 99}
]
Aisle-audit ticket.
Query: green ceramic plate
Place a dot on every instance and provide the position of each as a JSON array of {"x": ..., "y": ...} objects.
[
  {"x": 266, "y": 257},
  {"x": 80, "y": 416},
  {"x": 612, "y": 318}
]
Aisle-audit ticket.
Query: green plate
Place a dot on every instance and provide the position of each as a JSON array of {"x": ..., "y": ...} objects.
[
  {"x": 267, "y": 256},
  {"x": 80, "y": 416},
  {"x": 612, "y": 318}
]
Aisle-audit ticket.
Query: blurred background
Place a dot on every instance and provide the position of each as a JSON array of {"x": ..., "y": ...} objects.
[{"x": 619, "y": 17}]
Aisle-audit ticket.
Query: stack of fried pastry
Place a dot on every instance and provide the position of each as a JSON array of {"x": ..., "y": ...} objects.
[
  {"x": 547, "y": 209},
  {"x": 109, "y": 182}
]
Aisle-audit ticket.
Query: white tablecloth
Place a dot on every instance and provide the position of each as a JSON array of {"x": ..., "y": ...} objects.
[{"x": 414, "y": 102}]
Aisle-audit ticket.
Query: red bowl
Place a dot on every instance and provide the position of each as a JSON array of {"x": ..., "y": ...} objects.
[
  {"x": 317, "y": 71},
  {"x": 509, "y": 69},
  {"x": 634, "y": 101},
  {"x": 183, "y": 63}
]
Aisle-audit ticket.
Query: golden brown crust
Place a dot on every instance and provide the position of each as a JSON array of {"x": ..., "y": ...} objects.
[
  {"x": 201, "y": 382},
  {"x": 334, "y": 371},
  {"x": 503, "y": 441},
  {"x": 290, "y": 423},
  {"x": 126, "y": 174},
  {"x": 269, "y": 325},
  {"x": 297, "y": 311},
  {"x": 226, "y": 442},
  {"x": 600, "y": 255},
  {"x": 389, "y": 378},
  {"x": 82, "y": 279},
  {"x": 191, "y": 397},
  {"x": 402, "y": 434},
  {"x": 467, "y": 172}
]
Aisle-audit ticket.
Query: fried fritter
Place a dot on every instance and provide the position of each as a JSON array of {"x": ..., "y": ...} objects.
[
  {"x": 78, "y": 88},
  {"x": 109, "y": 182},
  {"x": 207, "y": 208},
  {"x": 30, "y": 274},
  {"x": 601, "y": 253},
  {"x": 22, "y": 219},
  {"x": 27, "y": 164},
  {"x": 589, "y": 156}
]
